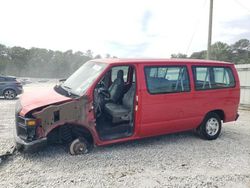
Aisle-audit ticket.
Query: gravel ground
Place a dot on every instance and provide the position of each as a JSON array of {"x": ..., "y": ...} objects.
[{"x": 177, "y": 160}]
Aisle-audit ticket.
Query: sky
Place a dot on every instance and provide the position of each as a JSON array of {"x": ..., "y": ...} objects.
[{"x": 123, "y": 28}]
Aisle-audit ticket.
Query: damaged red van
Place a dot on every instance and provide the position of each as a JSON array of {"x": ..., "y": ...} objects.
[{"x": 116, "y": 100}]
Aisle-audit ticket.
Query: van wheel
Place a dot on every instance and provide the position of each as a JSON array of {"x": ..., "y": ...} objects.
[
  {"x": 210, "y": 128},
  {"x": 79, "y": 146},
  {"x": 9, "y": 94}
]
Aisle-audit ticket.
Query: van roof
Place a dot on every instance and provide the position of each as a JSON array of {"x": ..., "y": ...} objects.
[{"x": 148, "y": 61}]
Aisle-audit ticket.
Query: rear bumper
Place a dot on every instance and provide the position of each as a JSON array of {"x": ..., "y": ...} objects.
[
  {"x": 237, "y": 116},
  {"x": 19, "y": 90},
  {"x": 32, "y": 146}
]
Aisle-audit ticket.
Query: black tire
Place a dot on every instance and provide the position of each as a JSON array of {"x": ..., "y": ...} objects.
[
  {"x": 210, "y": 127},
  {"x": 9, "y": 94},
  {"x": 79, "y": 146}
]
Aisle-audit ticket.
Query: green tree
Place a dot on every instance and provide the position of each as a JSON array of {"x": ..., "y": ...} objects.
[
  {"x": 238, "y": 53},
  {"x": 221, "y": 51},
  {"x": 19, "y": 59},
  {"x": 241, "y": 51},
  {"x": 108, "y": 56},
  {"x": 89, "y": 54},
  {"x": 179, "y": 56},
  {"x": 98, "y": 56},
  {"x": 199, "y": 55}
]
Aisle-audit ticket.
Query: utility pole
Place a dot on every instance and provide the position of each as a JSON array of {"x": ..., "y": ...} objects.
[{"x": 210, "y": 29}]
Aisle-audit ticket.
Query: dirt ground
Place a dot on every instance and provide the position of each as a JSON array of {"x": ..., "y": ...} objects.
[{"x": 177, "y": 160}]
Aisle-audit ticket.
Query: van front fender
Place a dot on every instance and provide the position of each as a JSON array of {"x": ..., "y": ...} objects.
[{"x": 59, "y": 114}]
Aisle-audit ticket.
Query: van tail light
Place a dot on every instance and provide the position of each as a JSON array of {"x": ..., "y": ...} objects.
[{"x": 18, "y": 83}]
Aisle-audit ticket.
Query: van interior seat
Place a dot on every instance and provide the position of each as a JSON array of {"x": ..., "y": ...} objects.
[
  {"x": 117, "y": 88},
  {"x": 122, "y": 111},
  {"x": 159, "y": 85}
]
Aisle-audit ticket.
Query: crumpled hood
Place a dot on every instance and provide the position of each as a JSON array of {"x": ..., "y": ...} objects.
[{"x": 39, "y": 98}]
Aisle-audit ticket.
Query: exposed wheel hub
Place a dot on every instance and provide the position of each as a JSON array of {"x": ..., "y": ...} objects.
[{"x": 78, "y": 147}]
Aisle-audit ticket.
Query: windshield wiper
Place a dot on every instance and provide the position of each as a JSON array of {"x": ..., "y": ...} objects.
[{"x": 68, "y": 89}]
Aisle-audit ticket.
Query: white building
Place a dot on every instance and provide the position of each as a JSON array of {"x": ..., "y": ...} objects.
[{"x": 244, "y": 74}]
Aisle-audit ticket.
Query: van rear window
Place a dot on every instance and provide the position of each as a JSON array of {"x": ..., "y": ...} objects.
[
  {"x": 167, "y": 79},
  {"x": 213, "y": 77}
]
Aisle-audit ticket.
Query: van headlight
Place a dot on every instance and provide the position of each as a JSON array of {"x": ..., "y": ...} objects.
[{"x": 30, "y": 122}]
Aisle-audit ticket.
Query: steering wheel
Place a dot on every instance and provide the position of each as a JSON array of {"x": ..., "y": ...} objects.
[
  {"x": 105, "y": 92},
  {"x": 102, "y": 84}
]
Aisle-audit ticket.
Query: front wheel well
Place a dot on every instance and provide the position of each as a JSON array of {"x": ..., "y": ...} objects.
[{"x": 69, "y": 132}]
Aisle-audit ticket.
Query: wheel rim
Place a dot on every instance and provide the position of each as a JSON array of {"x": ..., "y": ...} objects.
[
  {"x": 212, "y": 126},
  {"x": 9, "y": 94},
  {"x": 80, "y": 148}
]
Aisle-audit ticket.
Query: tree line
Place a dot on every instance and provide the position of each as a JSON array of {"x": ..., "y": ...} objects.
[
  {"x": 38, "y": 62},
  {"x": 237, "y": 53}
]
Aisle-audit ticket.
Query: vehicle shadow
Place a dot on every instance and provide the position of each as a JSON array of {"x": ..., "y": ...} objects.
[
  {"x": 3, "y": 99},
  {"x": 156, "y": 141},
  {"x": 56, "y": 150}
]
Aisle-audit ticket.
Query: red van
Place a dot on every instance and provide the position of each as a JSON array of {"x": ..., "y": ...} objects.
[{"x": 116, "y": 100}]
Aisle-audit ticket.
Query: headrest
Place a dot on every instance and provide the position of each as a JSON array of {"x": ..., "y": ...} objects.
[{"x": 120, "y": 74}]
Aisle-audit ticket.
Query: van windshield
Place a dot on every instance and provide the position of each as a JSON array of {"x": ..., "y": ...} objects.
[{"x": 81, "y": 79}]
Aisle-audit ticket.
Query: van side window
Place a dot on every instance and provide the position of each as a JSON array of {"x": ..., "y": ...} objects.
[
  {"x": 202, "y": 78},
  {"x": 167, "y": 79},
  {"x": 133, "y": 76},
  {"x": 223, "y": 77},
  {"x": 213, "y": 77}
]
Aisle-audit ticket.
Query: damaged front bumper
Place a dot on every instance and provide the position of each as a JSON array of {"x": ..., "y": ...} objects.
[
  {"x": 31, "y": 146},
  {"x": 25, "y": 137}
]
